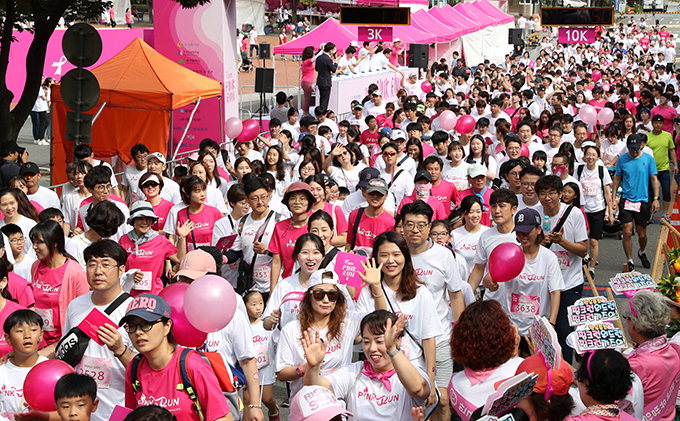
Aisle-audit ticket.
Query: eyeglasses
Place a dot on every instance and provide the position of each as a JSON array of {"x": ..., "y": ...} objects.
[
  {"x": 150, "y": 184},
  {"x": 262, "y": 198},
  {"x": 412, "y": 226},
  {"x": 103, "y": 187},
  {"x": 318, "y": 295},
  {"x": 144, "y": 327},
  {"x": 299, "y": 199},
  {"x": 18, "y": 240},
  {"x": 436, "y": 234},
  {"x": 105, "y": 266},
  {"x": 389, "y": 154},
  {"x": 527, "y": 184},
  {"x": 551, "y": 193}
]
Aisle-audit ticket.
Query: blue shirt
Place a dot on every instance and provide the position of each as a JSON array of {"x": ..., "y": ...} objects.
[{"x": 635, "y": 174}]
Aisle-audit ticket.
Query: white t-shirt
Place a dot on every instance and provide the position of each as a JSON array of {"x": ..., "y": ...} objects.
[
  {"x": 71, "y": 207},
  {"x": 170, "y": 191},
  {"x": 369, "y": 399},
  {"x": 456, "y": 175},
  {"x": 529, "y": 293},
  {"x": 245, "y": 243},
  {"x": 437, "y": 268},
  {"x": 98, "y": 361},
  {"x": 264, "y": 352},
  {"x": 403, "y": 162},
  {"x": 46, "y": 198},
  {"x": 401, "y": 185},
  {"x": 12, "y": 386},
  {"x": 356, "y": 200},
  {"x": 26, "y": 224},
  {"x": 488, "y": 241},
  {"x": 338, "y": 352},
  {"x": 114, "y": 181},
  {"x": 592, "y": 195},
  {"x": 233, "y": 342},
  {"x": 346, "y": 178},
  {"x": 423, "y": 322},
  {"x": 521, "y": 205},
  {"x": 378, "y": 62},
  {"x": 76, "y": 245},
  {"x": 130, "y": 180},
  {"x": 574, "y": 230},
  {"x": 465, "y": 244},
  {"x": 23, "y": 268}
]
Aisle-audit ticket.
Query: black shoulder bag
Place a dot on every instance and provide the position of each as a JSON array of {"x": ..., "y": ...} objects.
[
  {"x": 561, "y": 222},
  {"x": 245, "y": 270},
  {"x": 356, "y": 228}
]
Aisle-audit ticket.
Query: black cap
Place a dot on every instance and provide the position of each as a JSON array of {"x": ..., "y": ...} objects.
[
  {"x": 634, "y": 142},
  {"x": 29, "y": 168},
  {"x": 368, "y": 173},
  {"x": 657, "y": 117},
  {"x": 422, "y": 175}
]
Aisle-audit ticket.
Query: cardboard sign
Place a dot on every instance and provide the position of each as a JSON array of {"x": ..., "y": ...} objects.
[
  {"x": 509, "y": 394},
  {"x": 595, "y": 309},
  {"x": 594, "y": 336},
  {"x": 119, "y": 413},
  {"x": 630, "y": 282},
  {"x": 545, "y": 338},
  {"x": 226, "y": 242},
  {"x": 90, "y": 325},
  {"x": 348, "y": 267}
]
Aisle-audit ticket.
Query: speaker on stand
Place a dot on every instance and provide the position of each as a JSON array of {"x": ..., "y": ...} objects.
[
  {"x": 264, "y": 84},
  {"x": 419, "y": 55}
]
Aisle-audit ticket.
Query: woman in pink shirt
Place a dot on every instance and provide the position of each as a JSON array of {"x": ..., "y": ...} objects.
[
  {"x": 655, "y": 360},
  {"x": 603, "y": 378},
  {"x": 194, "y": 194},
  {"x": 7, "y": 305},
  {"x": 151, "y": 185},
  {"x": 307, "y": 79},
  {"x": 317, "y": 184},
  {"x": 598, "y": 101},
  {"x": 57, "y": 279}
]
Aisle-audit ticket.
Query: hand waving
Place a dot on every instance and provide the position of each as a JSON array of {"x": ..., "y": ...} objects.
[
  {"x": 392, "y": 333},
  {"x": 371, "y": 274},
  {"x": 183, "y": 230},
  {"x": 315, "y": 349}
]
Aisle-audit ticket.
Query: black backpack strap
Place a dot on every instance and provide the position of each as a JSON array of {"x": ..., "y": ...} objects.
[
  {"x": 186, "y": 385},
  {"x": 561, "y": 222},
  {"x": 241, "y": 223},
  {"x": 116, "y": 303},
  {"x": 328, "y": 258},
  {"x": 579, "y": 172},
  {"x": 389, "y": 185},
  {"x": 355, "y": 229},
  {"x": 134, "y": 373},
  {"x": 600, "y": 172}
]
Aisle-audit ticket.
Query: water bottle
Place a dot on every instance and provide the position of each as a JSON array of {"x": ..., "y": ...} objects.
[{"x": 546, "y": 223}]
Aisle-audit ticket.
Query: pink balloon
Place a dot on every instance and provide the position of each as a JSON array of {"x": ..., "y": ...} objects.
[
  {"x": 447, "y": 120},
  {"x": 251, "y": 128},
  {"x": 466, "y": 124},
  {"x": 426, "y": 87},
  {"x": 184, "y": 332},
  {"x": 506, "y": 262},
  {"x": 525, "y": 150},
  {"x": 606, "y": 87},
  {"x": 210, "y": 303},
  {"x": 40, "y": 382},
  {"x": 605, "y": 116},
  {"x": 233, "y": 127},
  {"x": 597, "y": 75},
  {"x": 588, "y": 114}
]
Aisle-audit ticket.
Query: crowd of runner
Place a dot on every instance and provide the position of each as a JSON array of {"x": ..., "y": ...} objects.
[{"x": 533, "y": 160}]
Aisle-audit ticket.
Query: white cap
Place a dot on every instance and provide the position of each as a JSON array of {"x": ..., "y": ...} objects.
[
  {"x": 354, "y": 43},
  {"x": 323, "y": 276},
  {"x": 475, "y": 170},
  {"x": 398, "y": 134},
  {"x": 159, "y": 156}
]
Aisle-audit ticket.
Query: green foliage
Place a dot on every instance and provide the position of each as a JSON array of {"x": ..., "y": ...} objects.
[
  {"x": 308, "y": 2},
  {"x": 29, "y": 14}
]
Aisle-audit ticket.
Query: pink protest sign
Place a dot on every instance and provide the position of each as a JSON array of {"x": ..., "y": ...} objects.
[
  {"x": 119, "y": 413},
  {"x": 576, "y": 35},
  {"x": 90, "y": 325},
  {"x": 348, "y": 267},
  {"x": 375, "y": 33}
]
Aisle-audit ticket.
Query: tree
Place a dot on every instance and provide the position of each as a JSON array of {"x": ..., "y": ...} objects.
[{"x": 41, "y": 17}]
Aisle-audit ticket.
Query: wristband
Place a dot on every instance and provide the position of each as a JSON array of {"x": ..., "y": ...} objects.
[
  {"x": 299, "y": 371},
  {"x": 656, "y": 197},
  {"x": 121, "y": 354},
  {"x": 393, "y": 354},
  {"x": 252, "y": 406}
]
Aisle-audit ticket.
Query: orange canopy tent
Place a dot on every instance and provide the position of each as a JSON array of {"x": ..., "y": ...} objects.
[{"x": 139, "y": 89}]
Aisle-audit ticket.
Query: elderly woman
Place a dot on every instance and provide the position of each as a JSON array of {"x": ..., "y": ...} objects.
[{"x": 655, "y": 360}]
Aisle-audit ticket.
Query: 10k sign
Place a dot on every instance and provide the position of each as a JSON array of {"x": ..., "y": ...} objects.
[
  {"x": 576, "y": 35},
  {"x": 375, "y": 33}
]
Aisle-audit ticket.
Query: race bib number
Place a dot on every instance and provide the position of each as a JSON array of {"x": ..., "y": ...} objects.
[
  {"x": 590, "y": 188},
  {"x": 48, "y": 318},
  {"x": 145, "y": 283},
  {"x": 261, "y": 273},
  {"x": 262, "y": 353},
  {"x": 525, "y": 305},
  {"x": 563, "y": 259},
  {"x": 97, "y": 368},
  {"x": 632, "y": 206}
]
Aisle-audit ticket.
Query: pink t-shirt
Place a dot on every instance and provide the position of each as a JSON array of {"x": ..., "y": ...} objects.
[
  {"x": 150, "y": 257},
  {"x": 46, "y": 287},
  {"x": 668, "y": 113},
  {"x": 384, "y": 121},
  {"x": 623, "y": 416},
  {"x": 38, "y": 207},
  {"x": 160, "y": 388},
  {"x": 161, "y": 210},
  {"x": 440, "y": 212},
  {"x": 283, "y": 241},
  {"x": 223, "y": 173},
  {"x": 369, "y": 227},
  {"x": 486, "y": 207},
  {"x": 307, "y": 68},
  {"x": 428, "y": 150},
  {"x": 369, "y": 139},
  {"x": 599, "y": 105},
  {"x": 446, "y": 192},
  {"x": 20, "y": 289},
  {"x": 204, "y": 224},
  {"x": 338, "y": 216},
  {"x": 10, "y": 307}
]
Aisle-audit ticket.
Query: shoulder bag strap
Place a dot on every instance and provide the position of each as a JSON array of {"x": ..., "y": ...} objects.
[
  {"x": 116, "y": 303},
  {"x": 402, "y": 160},
  {"x": 561, "y": 222},
  {"x": 600, "y": 172},
  {"x": 356, "y": 227},
  {"x": 394, "y": 178},
  {"x": 186, "y": 382},
  {"x": 259, "y": 239},
  {"x": 328, "y": 258},
  {"x": 389, "y": 302},
  {"x": 134, "y": 373},
  {"x": 193, "y": 237}
]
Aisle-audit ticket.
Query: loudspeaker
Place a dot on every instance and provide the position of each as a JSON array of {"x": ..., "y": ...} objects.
[
  {"x": 514, "y": 36},
  {"x": 264, "y": 80},
  {"x": 265, "y": 51},
  {"x": 419, "y": 55}
]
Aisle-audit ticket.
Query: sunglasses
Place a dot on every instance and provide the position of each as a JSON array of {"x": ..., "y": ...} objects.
[{"x": 319, "y": 294}]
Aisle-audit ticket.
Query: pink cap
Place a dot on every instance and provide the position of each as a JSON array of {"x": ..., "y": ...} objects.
[
  {"x": 315, "y": 403},
  {"x": 196, "y": 263}
]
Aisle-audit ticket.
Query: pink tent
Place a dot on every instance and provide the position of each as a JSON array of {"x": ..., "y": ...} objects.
[
  {"x": 493, "y": 11},
  {"x": 329, "y": 31},
  {"x": 426, "y": 22},
  {"x": 448, "y": 14}
]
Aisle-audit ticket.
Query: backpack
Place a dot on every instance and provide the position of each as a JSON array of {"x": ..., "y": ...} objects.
[
  {"x": 214, "y": 360},
  {"x": 600, "y": 173}
]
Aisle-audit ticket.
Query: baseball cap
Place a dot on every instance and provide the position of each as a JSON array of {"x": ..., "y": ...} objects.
[
  {"x": 588, "y": 143},
  {"x": 377, "y": 185},
  {"x": 139, "y": 209},
  {"x": 657, "y": 117},
  {"x": 410, "y": 75},
  {"x": 358, "y": 107},
  {"x": 422, "y": 175},
  {"x": 634, "y": 142},
  {"x": 526, "y": 220},
  {"x": 29, "y": 168},
  {"x": 196, "y": 263},
  {"x": 475, "y": 170},
  {"x": 315, "y": 403},
  {"x": 398, "y": 134},
  {"x": 368, "y": 173},
  {"x": 377, "y": 93},
  {"x": 323, "y": 277},
  {"x": 562, "y": 378},
  {"x": 386, "y": 131},
  {"x": 152, "y": 178},
  {"x": 159, "y": 156},
  {"x": 148, "y": 307}
]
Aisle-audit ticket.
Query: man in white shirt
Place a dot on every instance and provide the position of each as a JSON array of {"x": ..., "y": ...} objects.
[
  {"x": 347, "y": 62},
  {"x": 45, "y": 197},
  {"x": 381, "y": 61},
  {"x": 376, "y": 106},
  {"x": 130, "y": 189},
  {"x": 83, "y": 152},
  {"x": 155, "y": 163},
  {"x": 496, "y": 114},
  {"x": 252, "y": 40}
]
